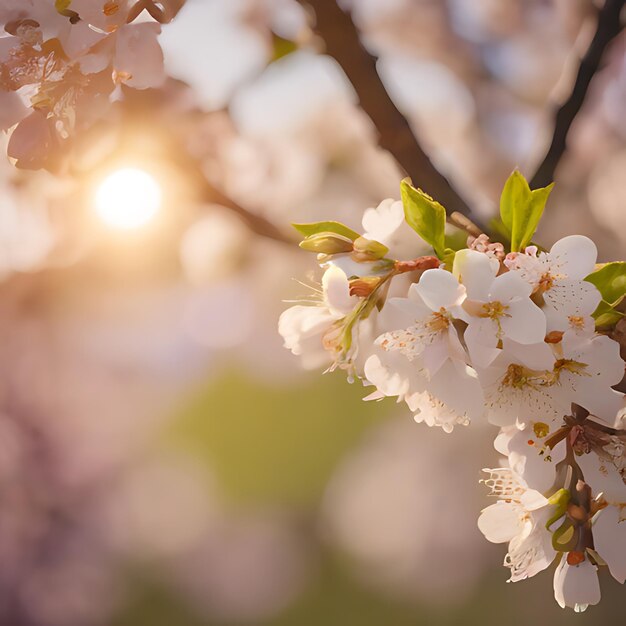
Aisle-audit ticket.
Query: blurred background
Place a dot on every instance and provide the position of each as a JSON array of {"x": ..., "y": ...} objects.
[{"x": 163, "y": 460}]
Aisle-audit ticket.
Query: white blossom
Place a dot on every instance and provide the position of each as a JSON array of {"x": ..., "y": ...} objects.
[
  {"x": 496, "y": 307},
  {"x": 519, "y": 518},
  {"x": 434, "y": 378},
  {"x": 308, "y": 330},
  {"x": 387, "y": 225},
  {"x": 558, "y": 276},
  {"x": 576, "y": 586}
]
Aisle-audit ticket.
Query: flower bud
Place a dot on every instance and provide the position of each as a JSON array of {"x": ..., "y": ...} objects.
[
  {"x": 368, "y": 250},
  {"x": 327, "y": 243}
]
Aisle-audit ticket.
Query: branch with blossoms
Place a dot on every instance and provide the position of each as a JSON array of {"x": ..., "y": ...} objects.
[
  {"x": 515, "y": 335},
  {"x": 525, "y": 338},
  {"x": 62, "y": 67},
  {"x": 63, "y": 63}
]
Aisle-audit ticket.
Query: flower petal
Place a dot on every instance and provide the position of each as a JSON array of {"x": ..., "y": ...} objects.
[
  {"x": 509, "y": 286},
  {"x": 337, "y": 291},
  {"x": 500, "y": 522},
  {"x": 474, "y": 270},
  {"x": 576, "y": 586},
  {"x": 526, "y": 324},
  {"x": 609, "y": 537},
  {"x": 440, "y": 289},
  {"x": 576, "y": 256}
]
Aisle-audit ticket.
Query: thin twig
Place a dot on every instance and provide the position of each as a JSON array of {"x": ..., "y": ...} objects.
[
  {"x": 336, "y": 28},
  {"x": 608, "y": 27}
]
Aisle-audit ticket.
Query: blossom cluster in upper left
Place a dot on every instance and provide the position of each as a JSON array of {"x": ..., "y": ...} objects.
[{"x": 63, "y": 61}]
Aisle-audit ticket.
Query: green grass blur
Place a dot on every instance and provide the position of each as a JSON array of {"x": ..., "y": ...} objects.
[{"x": 278, "y": 446}]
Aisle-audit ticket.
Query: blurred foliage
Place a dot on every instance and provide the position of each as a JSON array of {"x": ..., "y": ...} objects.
[
  {"x": 280, "y": 444},
  {"x": 273, "y": 444},
  {"x": 336, "y": 599}
]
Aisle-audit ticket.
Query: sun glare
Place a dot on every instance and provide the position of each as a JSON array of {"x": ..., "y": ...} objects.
[{"x": 128, "y": 198}]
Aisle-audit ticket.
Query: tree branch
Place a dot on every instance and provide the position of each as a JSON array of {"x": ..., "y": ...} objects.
[
  {"x": 609, "y": 26},
  {"x": 342, "y": 41},
  {"x": 256, "y": 223},
  {"x": 207, "y": 192},
  {"x": 144, "y": 111}
]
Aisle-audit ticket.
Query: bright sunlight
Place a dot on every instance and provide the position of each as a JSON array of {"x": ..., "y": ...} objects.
[{"x": 128, "y": 198}]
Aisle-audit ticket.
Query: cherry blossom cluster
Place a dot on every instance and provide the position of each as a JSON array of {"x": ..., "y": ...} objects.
[
  {"x": 501, "y": 331},
  {"x": 63, "y": 61}
]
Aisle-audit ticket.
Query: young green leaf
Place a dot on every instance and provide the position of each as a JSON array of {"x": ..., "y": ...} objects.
[
  {"x": 606, "y": 316},
  {"x": 448, "y": 259},
  {"x": 521, "y": 209},
  {"x": 538, "y": 200},
  {"x": 456, "y": 240},
  {"x": 499, "y": 231},
  {"x": 610, "y": 280},
  {"x": 515, "y": 193},
  {"x": 314, "y": 228},
  {"x": 425, "y": 216}
]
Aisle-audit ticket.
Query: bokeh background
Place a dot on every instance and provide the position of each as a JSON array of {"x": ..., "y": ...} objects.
[{"x": 163, "y": 460}]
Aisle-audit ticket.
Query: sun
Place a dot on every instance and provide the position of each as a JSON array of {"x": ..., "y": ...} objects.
[{"x": 128, "y": 198}]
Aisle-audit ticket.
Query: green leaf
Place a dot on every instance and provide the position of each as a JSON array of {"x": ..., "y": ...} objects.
[
  {"x": 521, "y": 209},
  {"x": 448, "y": 259},
  {"x": 606, "y": 316},
  {"x": 456, "y": 240},
  {"x": 425, "y": 216},
  {"x": 499, "y": 232},
  {"x": 515, "y": 193},
  {"x": 538, "y": 200},
  {"x": 337, "y": 228},
  {"x": 610, "y": 280}
]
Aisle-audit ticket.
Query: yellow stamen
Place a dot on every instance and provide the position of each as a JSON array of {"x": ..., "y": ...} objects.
[
  {"x": 541, "y": 430},
  {"x": 438, "y": 321},
  {"x": 494, "y": 310},
  {"x": 577, "y": 321}
]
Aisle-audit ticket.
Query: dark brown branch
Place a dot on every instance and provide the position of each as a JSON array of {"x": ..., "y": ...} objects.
[
  {"x": 342, "y": 41},
  {"x": 208, "y": 193},
  {"x": 609, "y": 26},
  {"x": 256, "y": 223}
]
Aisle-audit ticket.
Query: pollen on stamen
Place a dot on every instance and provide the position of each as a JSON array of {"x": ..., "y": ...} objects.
[
  {"x": 546, "y": 282},
  {"x": 576, "y": 321},
  {"x": 541, "y": 429},
  {"x": 439, "y": 321},
  {"x": 495, "y": 310},
  {"x": 111, "y": 8}
]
